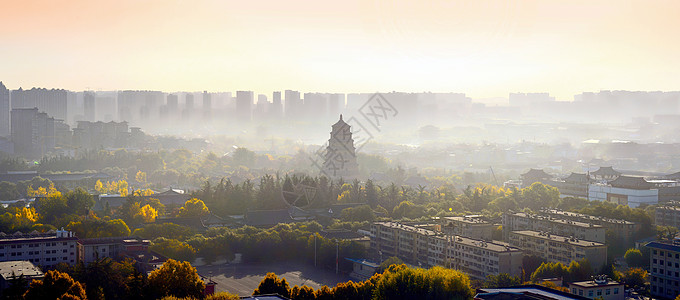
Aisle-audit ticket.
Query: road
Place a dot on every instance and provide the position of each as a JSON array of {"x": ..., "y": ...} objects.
[{"x": 242, "y": 279}]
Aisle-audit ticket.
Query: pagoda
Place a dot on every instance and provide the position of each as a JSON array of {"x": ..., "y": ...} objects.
[{"x": 340, "y": 159}]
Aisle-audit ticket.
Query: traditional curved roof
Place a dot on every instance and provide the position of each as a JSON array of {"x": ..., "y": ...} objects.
[
  {"x": 606, "y": 171},
  {"x": 536, "y": 173},
  {"x": 576, "y": 177},
  {"x": 675, "y": 175},
  {"x": 631, "y": 182}
]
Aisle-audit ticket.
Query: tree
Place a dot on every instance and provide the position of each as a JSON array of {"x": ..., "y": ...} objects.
[
  {"x": 302, "y": 293},
  {"x": 406, "y": 209},
  {"x": 243, "y": 157},
  {"x": 141, "y": 177},
  {"x": 549, "y": 270},
  {"x": 502, "y": 280},
  {"x": 99, "y": 187},
  {"x": 148, "y": 214},
  {"x": 177, "y": 279},
  {"x": 552, "y": 285},
  {"x": 193, "y": 208},
  {"x": 166, "y": 230},
  {"x": 635, "y": 278},
  {"x": 98, "y": 228},
  {"x": 634, "y": 258},
  {"x": 9, "y": 191},
  {"x": 392, "y": 260},
  {"x": 358, "y": 214},
  {"x": 55, "y": 285},
  {"x": 79, "y": 201},
  {"x": 272, "y": 284},
  {"x": 539, "y": 195},
  {"x": 401, "y": 282},
  {"x": 174, "y": 249}
]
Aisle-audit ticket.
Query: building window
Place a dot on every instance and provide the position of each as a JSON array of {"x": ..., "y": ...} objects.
[
  {"x": 607, "y": 292},
  {"x": 590, "y": 293},
  {"x": 616, "y": 291}
]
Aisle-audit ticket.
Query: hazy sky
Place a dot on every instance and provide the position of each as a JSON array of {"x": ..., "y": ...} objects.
[{"x": 482, "y": 48}]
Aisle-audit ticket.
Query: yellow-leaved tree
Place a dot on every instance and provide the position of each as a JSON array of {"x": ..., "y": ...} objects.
[
  {"x": 192, "y": 208},
  {"x": 99, "y": 187},
  {"x": 43, "y": 192},
  {"x": 148, "y": 214},
  {"x": 141, "y": 177}
]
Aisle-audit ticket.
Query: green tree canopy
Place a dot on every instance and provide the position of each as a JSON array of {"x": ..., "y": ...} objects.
[
  {"x": 634, "y": 258},
  {"x": 502, "y": 280}
]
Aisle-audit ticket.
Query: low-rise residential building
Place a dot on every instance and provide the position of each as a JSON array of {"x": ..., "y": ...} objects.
[
  {"x": 668, "y": 215},
  {"x": 42, "y": 249},
  {"x": 114, "y": 247},
  {"x": 469, "y": 226},
  {"x": 424, "y": 247},
  {"x": 664, "y": 267},
  {"x": 479, "y": 258},
  {"x": 557, "y": 226},
  {"x": 598, "y": 288},
  {"x": 623, "y": 228},
  {"x": 555, "y": 248},
  {"x": 10, "y": 270},
  {"x": 525, "y": 292},
  {"x": 362, "y": 269}
]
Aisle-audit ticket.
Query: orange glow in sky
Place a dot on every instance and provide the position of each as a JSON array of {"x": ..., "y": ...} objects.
[{"x": 482, "y": 48}]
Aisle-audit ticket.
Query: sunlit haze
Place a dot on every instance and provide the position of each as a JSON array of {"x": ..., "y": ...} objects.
[{"x": 482, "y": 48}]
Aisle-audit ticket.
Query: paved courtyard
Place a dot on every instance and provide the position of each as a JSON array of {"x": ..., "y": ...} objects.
[{"x": 242, "y": 279}]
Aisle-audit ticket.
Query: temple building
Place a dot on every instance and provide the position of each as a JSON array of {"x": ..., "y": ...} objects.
[
  {"x": 534, "y": 175},
  {"x": 340, "y": 160}
]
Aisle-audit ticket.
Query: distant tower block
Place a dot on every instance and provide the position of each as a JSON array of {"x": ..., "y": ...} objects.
[{"x": 340, "y": 159}]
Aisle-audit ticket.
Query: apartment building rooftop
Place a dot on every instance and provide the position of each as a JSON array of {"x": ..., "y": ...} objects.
[
  {"x": 35, "y": 236},
  {"x": 669, "y": 207},
  {"x": 588, "y": 217},
  {"x": 495, "y": 246},
  {"x": 557, "y": 238},
  {"x": 19, "y": 267},
  {"x": 468, "y": 219},
  {"x": 408, "y": 228},
  {"x": 556, "y": 220}
]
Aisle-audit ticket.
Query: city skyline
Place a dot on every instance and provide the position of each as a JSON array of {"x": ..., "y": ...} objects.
[{"x": 482, "y": 48}]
